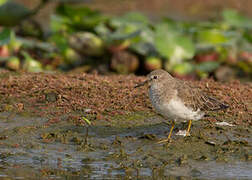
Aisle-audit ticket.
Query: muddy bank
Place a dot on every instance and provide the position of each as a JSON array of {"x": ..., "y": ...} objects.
[
  {"x": 103, "y": 97},
  {"x": 43, "y": 129}
]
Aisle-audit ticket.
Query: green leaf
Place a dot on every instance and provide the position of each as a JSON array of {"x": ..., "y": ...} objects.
[
  {"x": 8, "y": 36},
  {"x": 31, "y": 43},
  {"x": 128, "y": 26},
  {"x": 124, "y": 35},
  {"x": 183, "y": 68},
  {"x": 143, "y": 48},
  {"x": 5, "y": 35},
  {"x": 163, "y": 40},
  {"x": 30, "y": 64},
  {"x": 172, "y": 44},
  {"x": 212, "y": 36},
  {"x": 81, "y": 17},
  {"x": 233, "y": 18},
  {"x": 12, "y": 41},
  {"x": 86, "y": 120},
  {"x": 102, "y": 30},
  {"x": 144, "y": 42},
  {"x": 60, "y": 41},
  {"x": 59, "y": 23}
]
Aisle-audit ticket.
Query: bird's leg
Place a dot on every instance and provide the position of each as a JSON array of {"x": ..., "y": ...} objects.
[
  {"x": 169, "y": 136},
  {"x": 170, "y": 133},
  {"x": 188, "y": 128}
]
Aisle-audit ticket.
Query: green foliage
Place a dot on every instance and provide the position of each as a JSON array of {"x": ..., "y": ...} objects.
[
  {"x": 80, "y": 17},
  {"x": 212, "y": 36},
  {"x": 172, "y": 44},
  {"x": 234, "y": 19},
  {"x": 131, "y": 26},
  {"x": 30, "y": 64},
  {"x": 183, "y": 48},
  {"x": 183, "y": 68},
  {"x": 5, "y": 35},
  {"x": 144, "y": 43}
]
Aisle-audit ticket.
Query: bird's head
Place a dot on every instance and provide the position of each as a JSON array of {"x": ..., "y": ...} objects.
[{"x": 156, "y": 77}]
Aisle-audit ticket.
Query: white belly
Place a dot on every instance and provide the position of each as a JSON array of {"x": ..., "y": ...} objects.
[{"x": 177, "y": 110}]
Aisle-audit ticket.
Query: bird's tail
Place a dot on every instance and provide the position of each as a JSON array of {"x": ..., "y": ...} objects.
[{"x": 217, "y": 105}]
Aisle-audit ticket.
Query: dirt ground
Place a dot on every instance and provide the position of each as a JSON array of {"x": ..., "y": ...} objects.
[
  {"x": 105, "y": 96},
  {"x": 44, "y": 116}
]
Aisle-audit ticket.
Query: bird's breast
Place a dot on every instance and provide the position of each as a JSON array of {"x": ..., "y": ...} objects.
[{"x": 157, "y": 101}]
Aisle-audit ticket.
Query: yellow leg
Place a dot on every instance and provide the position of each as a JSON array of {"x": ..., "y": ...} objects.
[
  {"x": 188, "y": 128},
  {"x": 169, "y": 136}
]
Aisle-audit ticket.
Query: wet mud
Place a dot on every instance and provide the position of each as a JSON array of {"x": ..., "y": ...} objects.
[{"x": 43, "y": 133}]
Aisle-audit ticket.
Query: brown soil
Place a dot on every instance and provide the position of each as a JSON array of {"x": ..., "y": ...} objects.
[{"x": 102, "y": 97}]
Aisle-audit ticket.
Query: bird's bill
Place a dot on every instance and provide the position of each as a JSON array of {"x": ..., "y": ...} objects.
[{"x": 141, "y": 84}]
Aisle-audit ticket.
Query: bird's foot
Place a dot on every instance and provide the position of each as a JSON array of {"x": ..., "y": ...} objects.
[
  {"x": 187, "y": 134},
  {"x": 166, "y": 140}
]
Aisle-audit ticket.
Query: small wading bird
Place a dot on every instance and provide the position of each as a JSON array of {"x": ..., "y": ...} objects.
[{"x": 177, "y": 100}]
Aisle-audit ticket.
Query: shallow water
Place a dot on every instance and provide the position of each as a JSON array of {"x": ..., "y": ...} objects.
[
  {"x": 48, "y": 165},
  {"x": 28, "y": 152}
]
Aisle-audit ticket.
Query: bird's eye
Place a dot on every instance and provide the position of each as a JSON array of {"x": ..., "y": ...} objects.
[{"x": 154, "y": 77}]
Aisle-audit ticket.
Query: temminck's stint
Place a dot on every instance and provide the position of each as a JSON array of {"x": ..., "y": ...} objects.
[{"x": 177, "y": 100}]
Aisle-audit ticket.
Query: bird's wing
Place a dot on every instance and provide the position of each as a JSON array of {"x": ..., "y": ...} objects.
[{"x": 196, "y": 99}]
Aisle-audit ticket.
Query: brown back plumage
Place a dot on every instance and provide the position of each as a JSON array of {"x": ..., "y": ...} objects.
[{"x": 196, "y": 99}]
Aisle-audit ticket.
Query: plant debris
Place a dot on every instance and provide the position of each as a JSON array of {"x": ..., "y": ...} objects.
[{"x": 101, "y": 97}]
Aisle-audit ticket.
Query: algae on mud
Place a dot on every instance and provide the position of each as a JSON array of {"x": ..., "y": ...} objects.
[{"x": 49, "y": 135}]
